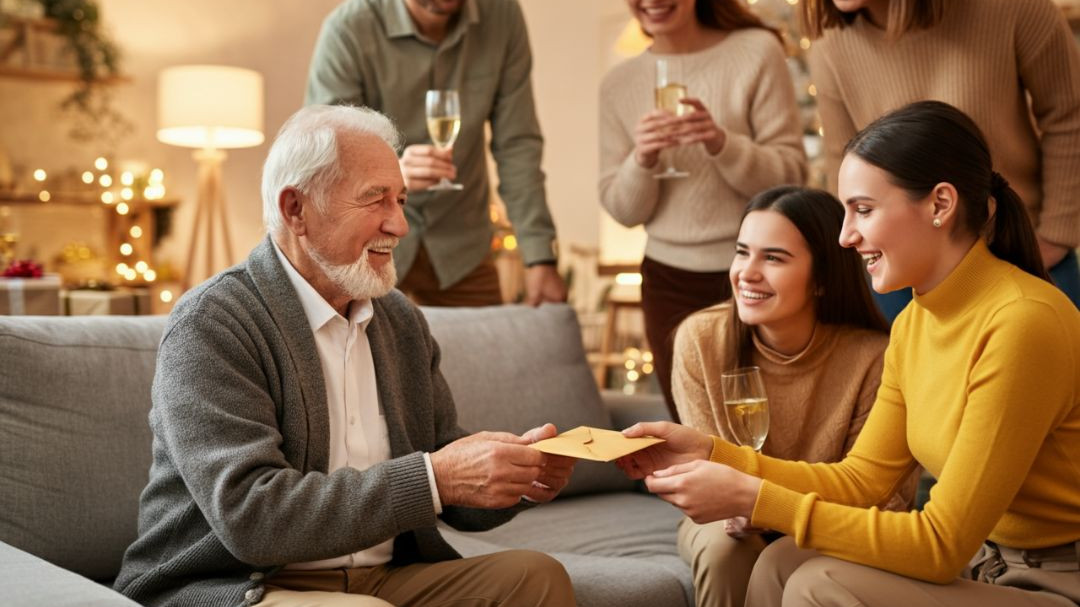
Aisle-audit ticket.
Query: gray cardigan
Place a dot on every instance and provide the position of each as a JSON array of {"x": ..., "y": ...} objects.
[{"x": 239, "y": 486}]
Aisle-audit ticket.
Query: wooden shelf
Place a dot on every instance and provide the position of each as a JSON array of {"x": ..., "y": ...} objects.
[
  {"x": 53, "y": 75},
  {"x": 79, "y": 200}
]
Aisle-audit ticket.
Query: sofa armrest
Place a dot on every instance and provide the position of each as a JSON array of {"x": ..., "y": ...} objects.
[
  {"x": 628, "y": 409},
  {"x": 29, "y": 581}
]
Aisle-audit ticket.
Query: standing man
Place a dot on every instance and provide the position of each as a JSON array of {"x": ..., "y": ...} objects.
[
  {"x": 386, "y": 54},
  {"x": 305, "y": 441}
]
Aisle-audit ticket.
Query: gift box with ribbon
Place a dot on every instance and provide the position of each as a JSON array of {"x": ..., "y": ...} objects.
[
  {"x": 95, "y": 302},
  {"x": 30, "y": 296}
]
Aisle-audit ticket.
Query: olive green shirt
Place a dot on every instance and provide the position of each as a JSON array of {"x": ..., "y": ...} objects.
[{"x": 370, "y": 53}]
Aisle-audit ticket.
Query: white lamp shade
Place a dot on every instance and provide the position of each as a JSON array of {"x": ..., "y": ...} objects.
[{"x": 210, "y": 106}]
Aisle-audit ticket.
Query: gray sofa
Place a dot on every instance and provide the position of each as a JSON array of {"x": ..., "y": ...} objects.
[{"x": 75, "y": 451}]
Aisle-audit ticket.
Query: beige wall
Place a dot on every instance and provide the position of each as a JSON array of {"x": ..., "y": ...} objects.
[{"x": 571, "y": 42}]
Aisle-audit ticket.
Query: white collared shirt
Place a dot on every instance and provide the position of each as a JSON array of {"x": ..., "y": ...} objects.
[{"x": 358, "y": 434}]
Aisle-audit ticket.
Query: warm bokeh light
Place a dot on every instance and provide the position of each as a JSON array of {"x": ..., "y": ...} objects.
[
  {"x": 510, "y": 242},
  {"x": 149, "y": 275},
  {"x": 166, "y": 296},
  {"x": 127, "y": 194},
  {"x": 88, "y": 177},
  {"x": 107, "y": 197},
  {"x": 105, "y": 181},
  {"x": 44, "y": 196},
  {"x": 135, "y": 231},
  {"x": 127, "y": 178},
  {"x": 101, "y": 164},
  {"x": 141, "y": 266},
  {"x": 628, "y": 278},
  {"x": 40, "y": 175},
  {"x": 121, "y": 268},
  {"x": 156, "y": 176},
  {"x": 126, "y": 249},
  {"x": 123, "y": 208}
]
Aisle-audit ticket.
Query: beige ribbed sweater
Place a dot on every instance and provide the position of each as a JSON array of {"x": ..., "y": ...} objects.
[
  {"x": 982, "y": 58},
  {"x": 818, "y": 398},
  {"x": 692, "y": 223}
]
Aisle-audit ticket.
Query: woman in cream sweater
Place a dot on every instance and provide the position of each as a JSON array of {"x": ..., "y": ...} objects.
[
  {"x": 1013, "y": 66},
  {"x": 981, "y": 386},
  {"x": 803, "y": 314},
  {"x": 740, "y": 135}
]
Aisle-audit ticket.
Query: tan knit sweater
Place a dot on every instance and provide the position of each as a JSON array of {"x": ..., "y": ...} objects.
[
  {"x": 818, "y": 398},
  {"x": 982, "y": 58},
  {"x": 692, "y": 223}
]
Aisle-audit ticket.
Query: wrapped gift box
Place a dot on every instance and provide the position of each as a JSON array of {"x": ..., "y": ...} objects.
[
  {"x": 30, "y": 296},
  {"x": 119, "y": 302}
]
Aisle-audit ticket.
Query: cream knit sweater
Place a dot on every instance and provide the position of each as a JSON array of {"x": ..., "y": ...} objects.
[
  {"x": 984, "y": 57},
  {"x": 692, "y": 223}
]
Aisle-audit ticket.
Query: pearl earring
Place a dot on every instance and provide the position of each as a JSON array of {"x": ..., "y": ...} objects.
[{"x": 937, "y": 222}]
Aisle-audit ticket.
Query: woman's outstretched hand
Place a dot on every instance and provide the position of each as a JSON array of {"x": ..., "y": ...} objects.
[{"x": 681, "y": 444}]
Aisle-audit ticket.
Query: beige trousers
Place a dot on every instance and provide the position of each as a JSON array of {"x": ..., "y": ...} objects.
[
  {"x": 479, "y": 287},
  {"x": 720, "y": 563},
  {"x": 514, "y": 578},
  {"x": 787, "y": 576}
]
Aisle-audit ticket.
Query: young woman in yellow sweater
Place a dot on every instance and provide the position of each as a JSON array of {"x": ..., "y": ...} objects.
[
  {"x": 803, "y": 314},
  {"x": 981, "y": 386},
  {"x": 1013, "y": 66}
]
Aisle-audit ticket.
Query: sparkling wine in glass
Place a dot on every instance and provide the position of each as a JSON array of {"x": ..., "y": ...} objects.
[
  {"x": 443, "y": 111},
  {"x": 746, "y": 406},
  {"x": 670, "y": 88}
]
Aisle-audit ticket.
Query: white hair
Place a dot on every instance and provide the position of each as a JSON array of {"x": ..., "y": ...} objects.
[{"x": 304, "y": 154}]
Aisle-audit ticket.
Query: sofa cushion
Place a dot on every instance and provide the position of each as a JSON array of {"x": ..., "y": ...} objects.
[
  {"x": 619, "y": 548},
  {"x": 74, "y": 438},
  {"x": 533, "y": 371},
  {"x": 32, "y": 582}
]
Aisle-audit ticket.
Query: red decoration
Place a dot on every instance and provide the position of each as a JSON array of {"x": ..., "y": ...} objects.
[{"x": 23, "y": 268}]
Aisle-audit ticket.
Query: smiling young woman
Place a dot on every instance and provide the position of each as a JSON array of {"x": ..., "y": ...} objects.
[
  {"x": 981, "y": 386},
  {"x": 737, "y": 133},
  {"x": 802, "y": 313}
]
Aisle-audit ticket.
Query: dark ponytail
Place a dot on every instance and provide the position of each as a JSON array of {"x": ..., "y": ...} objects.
[
  {"x": 929, "y": 142},
  {"x": 1018, "y": 246}
]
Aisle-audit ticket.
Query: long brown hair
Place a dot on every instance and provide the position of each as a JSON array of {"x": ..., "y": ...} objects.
[
  {"x": 729, "y": 15},
  {"x": 904, "y": 16},
  {"x": 930, "y": 142},
  {"x": 837, "y": 273}
]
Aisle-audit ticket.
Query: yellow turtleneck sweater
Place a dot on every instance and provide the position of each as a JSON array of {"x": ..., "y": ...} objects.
[{"x": 982, "y": 387}]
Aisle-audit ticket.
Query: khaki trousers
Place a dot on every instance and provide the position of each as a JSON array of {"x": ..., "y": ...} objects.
[
  {"x": 720, "y": 563},
  {"x": 514, "y": 578},
  {"x": 787, "y": 576},
  {"x": 479, "y": 287}
]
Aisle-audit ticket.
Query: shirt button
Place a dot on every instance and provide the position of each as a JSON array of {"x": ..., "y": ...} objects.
[
  {"x": 258, "y": 575},
  {"x": 251, "y": 594}
]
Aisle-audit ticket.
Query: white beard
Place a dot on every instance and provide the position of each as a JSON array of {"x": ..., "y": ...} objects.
[{"x": 358, "y": 279}]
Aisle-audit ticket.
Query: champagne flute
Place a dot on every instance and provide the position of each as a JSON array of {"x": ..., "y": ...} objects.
[
  {"x": 746, "y": 406},
  {"x": 443, "y": 111},
  {"x": 670, "y": 88}
]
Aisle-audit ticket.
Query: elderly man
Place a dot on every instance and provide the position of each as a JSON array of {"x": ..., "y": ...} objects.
[
  {"x": 386, "y": 54},
  {"x": 304, "y": 438}
]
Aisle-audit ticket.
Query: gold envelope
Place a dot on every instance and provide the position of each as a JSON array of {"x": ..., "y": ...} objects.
[{"x": 596, "y": 444}]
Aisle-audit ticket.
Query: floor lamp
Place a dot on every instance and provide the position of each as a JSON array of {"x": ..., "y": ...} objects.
[{"x": 210, "y": 108}]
